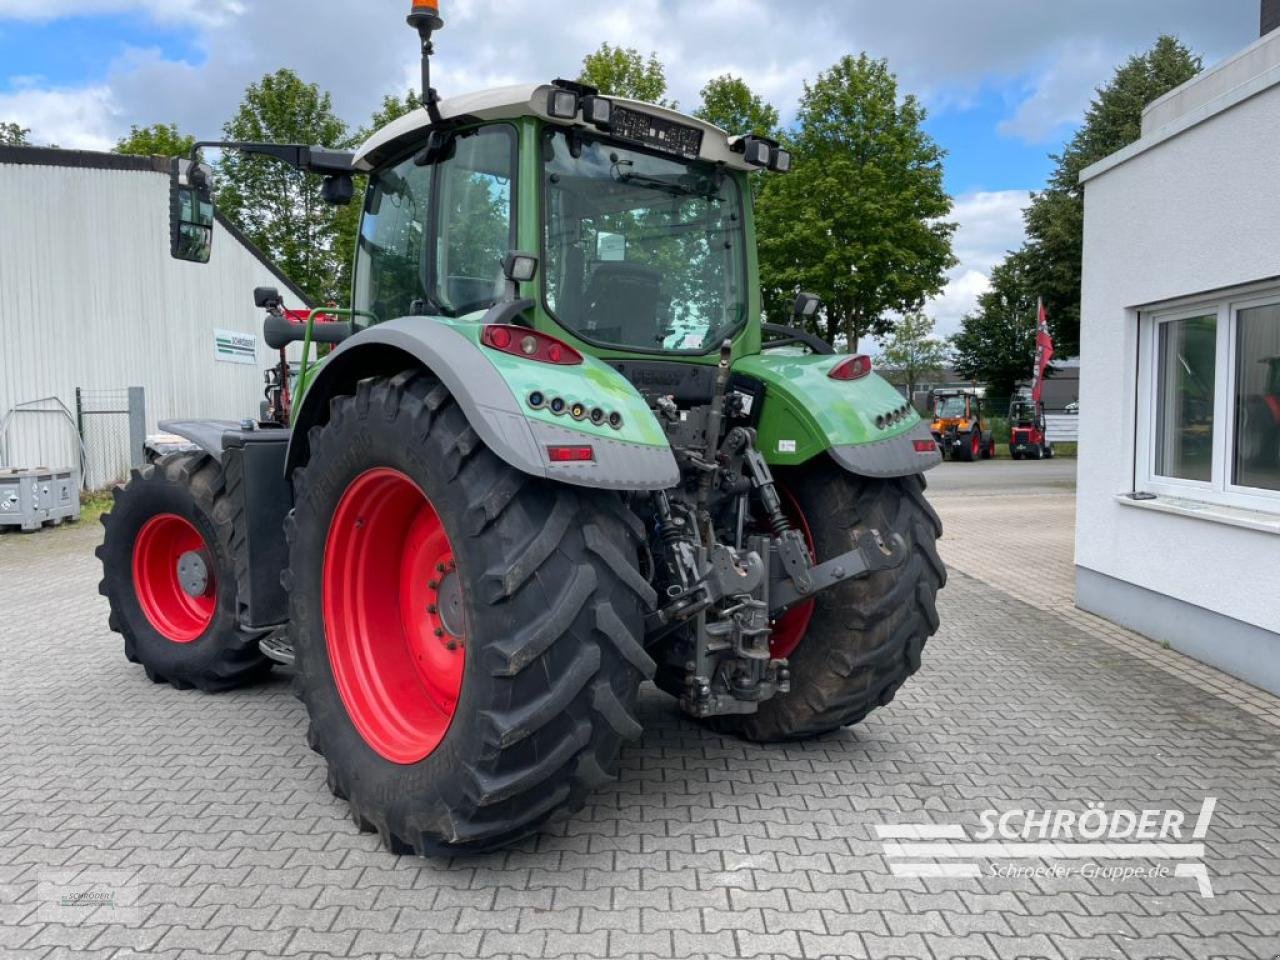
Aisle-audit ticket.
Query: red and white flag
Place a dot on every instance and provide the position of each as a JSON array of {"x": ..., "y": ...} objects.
[{"x": 1044, "y": 351}]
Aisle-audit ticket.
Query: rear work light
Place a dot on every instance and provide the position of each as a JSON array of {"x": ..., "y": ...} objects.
[
  {"x": 530, "y": 344},
  {"x": 583, "y": 454},
  {"x": 851, "y": 368}
]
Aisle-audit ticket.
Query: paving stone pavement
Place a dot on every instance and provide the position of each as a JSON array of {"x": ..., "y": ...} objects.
[{"x": 140, "y": 821}]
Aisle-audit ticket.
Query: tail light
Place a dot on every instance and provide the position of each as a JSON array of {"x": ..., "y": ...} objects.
[
  {"x": 570, "y": 454},
  {"x": 530, "y": 344},
  {"x": 851, "y": 368},
  {"x": 925, "y": 446}
]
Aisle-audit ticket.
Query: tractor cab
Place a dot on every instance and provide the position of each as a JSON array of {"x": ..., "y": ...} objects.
[{"x": 960, "y": 425}]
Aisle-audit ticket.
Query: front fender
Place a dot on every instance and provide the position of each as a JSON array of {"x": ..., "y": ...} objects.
[
  {"x": 492, "y": 389},
  {"x": 865, "y": 425}
]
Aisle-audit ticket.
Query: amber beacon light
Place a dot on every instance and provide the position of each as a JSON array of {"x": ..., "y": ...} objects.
[{"x": 425, "y": 13}]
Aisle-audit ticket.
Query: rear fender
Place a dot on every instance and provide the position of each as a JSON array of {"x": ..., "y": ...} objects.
[
  {"x": 493, "y": 389},
  {"x": 865, "y": 425}
]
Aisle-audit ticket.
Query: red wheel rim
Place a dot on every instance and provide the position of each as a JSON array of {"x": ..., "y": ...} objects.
[
  {"x": 977, "y": 446},
  {"x": 393, "y": 615},
  {"x": 174, "y": 613},
  {"x": 790, "y": 628}
]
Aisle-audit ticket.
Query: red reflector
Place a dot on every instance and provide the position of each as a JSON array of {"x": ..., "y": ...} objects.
[
  {"x": 851, "y": 368},
  {"x": 530, "y": 344},
  {"x": 925, "y": 446},
  {"x": 570, "y": 454}
]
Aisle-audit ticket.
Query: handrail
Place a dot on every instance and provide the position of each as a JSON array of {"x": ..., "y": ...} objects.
[{"x": 306, "y": 339}]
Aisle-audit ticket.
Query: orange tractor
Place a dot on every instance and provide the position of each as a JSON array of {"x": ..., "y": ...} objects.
[{"x": 960, "y": 425}]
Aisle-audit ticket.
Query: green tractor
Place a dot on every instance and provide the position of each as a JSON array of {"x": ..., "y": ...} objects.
[{"x": 550, "y": 453}]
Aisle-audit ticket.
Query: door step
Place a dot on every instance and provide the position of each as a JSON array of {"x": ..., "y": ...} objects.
[{"x": 275, "y": 646}]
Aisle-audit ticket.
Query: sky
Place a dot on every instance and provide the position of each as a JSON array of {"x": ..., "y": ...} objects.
[{"x": 1005, "y": 82}]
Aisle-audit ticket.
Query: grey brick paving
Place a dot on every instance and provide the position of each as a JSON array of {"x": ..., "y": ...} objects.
[{"x": 210, "y": 821}]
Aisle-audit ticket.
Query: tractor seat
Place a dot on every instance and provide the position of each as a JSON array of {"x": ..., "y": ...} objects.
[{"x": 621, "y": 304}]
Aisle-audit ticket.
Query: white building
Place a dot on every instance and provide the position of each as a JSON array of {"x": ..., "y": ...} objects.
[
  {"x": 1178, "y": 513},
  {"x": 91, "y": 296}
]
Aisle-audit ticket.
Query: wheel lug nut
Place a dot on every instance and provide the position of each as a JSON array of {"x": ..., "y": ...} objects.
[
  {"x": 432, "y": 608},
  {"x": 439, "y": 632},
  {"x": 440, "y": 568},
  {"x": 432, "y": 584}
]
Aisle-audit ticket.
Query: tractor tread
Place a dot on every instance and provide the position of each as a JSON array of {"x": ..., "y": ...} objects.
[
  {"x": 552, "y": 698},
  {"x": 223, "y": 659}
]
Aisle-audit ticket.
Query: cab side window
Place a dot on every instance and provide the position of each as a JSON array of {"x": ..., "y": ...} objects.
[{"x": 475, "y": 224}]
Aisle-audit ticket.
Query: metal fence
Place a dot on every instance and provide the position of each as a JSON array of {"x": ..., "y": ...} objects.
[{"x": 112, "y": 426}]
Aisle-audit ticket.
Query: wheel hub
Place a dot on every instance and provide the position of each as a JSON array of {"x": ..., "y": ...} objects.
[
  {"x": 193, "y": 573},
  {"x": 449, "y": 603},
  {"x": 173, "y": 577},
  {"x": 393, "y": 606}
]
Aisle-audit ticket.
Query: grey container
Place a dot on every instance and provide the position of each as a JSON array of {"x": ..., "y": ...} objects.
[{"x": 31, "y": 498}]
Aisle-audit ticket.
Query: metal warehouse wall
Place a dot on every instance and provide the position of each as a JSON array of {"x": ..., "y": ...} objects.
[{"x": 90, "y": 297}]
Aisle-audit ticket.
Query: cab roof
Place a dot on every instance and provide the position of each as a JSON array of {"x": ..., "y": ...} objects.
[{"x": 524, "y": 100}]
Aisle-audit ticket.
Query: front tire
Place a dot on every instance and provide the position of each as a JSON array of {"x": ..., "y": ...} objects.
[
  {"x": 169, "y": 574},
  {"x": 864, "y": 637},
  {"x": 440, "y": 750}
]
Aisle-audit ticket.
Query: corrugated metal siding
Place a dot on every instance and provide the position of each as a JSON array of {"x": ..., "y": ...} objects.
[{"x": 90, "y": 297}]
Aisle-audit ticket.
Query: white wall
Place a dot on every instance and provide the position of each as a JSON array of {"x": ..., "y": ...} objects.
[
  {"x": 1192, "y": 214},
  {"x": 90, "y": 297}
]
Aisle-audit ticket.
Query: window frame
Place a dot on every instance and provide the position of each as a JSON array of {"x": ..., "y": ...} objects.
[
  {"x": 431, "y": 221},
  {"x": 544, "y": 211},
  {"x": 1220, "y": 489}
]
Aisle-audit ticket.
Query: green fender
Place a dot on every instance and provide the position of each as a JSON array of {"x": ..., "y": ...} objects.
[
  {"x": 493, "y": 390},
  {"x": 866, "y": 425}
]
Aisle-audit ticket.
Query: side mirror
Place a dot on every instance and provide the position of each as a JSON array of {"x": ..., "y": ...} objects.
[
  {"x": 190, "y": 210},
  {"x": 805, "y": 307},
  {"x": 279, "y": 331},
  {"x": 338, "y": 190}
]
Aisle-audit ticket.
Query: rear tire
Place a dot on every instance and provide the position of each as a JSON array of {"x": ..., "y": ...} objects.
[
  {"x": 176, "y": 506},
  {"x": 866, "y": 636},
  {"x": 968, "y": 449},
  {"x": 553, "y": 604}
]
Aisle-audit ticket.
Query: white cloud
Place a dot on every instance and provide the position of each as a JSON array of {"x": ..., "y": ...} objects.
[
  {"x": 943, "y": 50},
  {"x": 1059, "y": 95},
  {"x": 84, "y": 119},
  {"x": 163, "y": 11},
  {"x": 989, "y": 226}
]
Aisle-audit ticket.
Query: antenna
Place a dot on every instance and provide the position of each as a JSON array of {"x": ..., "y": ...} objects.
[{"x": 425, "y": 18}]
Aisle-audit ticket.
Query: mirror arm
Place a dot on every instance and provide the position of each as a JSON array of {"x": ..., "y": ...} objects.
[{"x": 319, "y": 160}]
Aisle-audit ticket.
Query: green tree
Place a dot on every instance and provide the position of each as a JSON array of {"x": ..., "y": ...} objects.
[
  {"x": 14, "y": 135},
  {"x": 858, "y": 221},
  {"x": 157, "y": 140},
  {"x": 279, "y": 209},
  {"x": 912, "y": 352},
  {"x": 1055, "y": 219},
  {"x": 728, "y": 102},
  {"x": 623, "y": 72},
  {"x": 392, "y": 109},
  {"x": 996, "y": 344}
]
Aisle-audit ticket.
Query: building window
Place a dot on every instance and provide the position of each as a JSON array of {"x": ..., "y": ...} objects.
[
  {"x": 1184, "y": 398},
  {"x": 1209, "y": 401},
  {"x": 1255, "y": 454}
]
